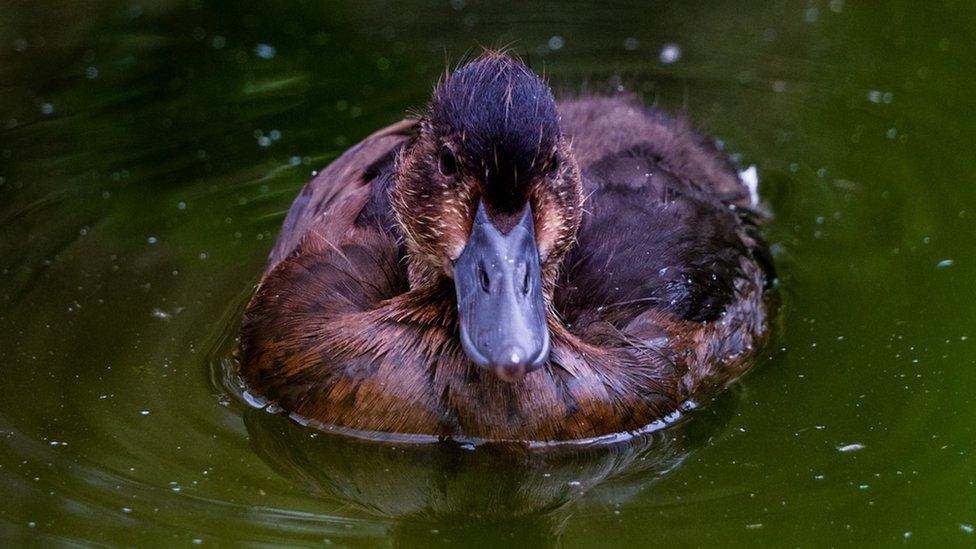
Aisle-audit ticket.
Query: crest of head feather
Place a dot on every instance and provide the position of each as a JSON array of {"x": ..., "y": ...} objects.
[{"x": 503, "y": 119}]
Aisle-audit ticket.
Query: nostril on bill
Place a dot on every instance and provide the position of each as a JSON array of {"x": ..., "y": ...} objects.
[{"x": 485, "y": 281}]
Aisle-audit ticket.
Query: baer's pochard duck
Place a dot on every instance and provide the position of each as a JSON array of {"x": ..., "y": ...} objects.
[{"x": 510, "y": 267}]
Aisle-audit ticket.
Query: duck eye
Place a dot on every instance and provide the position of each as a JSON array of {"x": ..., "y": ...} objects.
[
  {"x": 446, "y": 161},
  {"x": 554, "y": 165}
]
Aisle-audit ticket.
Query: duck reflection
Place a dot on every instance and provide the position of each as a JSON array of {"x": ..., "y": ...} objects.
[{"x": 478, "y": 495}]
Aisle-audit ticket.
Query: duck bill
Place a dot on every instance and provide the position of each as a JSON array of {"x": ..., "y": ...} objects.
[{"x": 501, "y": 310}]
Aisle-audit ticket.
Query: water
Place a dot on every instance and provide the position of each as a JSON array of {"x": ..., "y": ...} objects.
[{"x": 148, "y": 152}]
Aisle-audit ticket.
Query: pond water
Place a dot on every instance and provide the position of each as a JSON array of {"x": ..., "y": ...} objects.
[{"x": 149, "y": 151}]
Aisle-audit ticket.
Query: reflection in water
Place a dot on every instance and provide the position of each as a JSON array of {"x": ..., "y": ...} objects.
[{"x": 527, "y": 494}]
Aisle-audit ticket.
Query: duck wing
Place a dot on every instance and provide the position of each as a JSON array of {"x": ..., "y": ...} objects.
[
  {"x": 335, "y": 260},
  {"x": 668, "y": 225},
  {"x": 351, "y": 190}
]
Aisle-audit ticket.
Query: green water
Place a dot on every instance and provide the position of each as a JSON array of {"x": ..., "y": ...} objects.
[{"x": 149, "y": 151}]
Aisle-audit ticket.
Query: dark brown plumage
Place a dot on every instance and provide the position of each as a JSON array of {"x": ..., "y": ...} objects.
[{"x": 652, "y": 269}]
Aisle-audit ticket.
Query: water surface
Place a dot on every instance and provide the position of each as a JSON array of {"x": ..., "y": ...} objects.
[{"x": 149, "y": 151}]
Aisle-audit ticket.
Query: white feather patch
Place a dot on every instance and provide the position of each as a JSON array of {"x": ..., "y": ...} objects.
[{"x": 750, "y": 178}]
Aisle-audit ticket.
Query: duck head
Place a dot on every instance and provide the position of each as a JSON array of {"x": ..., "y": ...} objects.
[{"x": 489, "y": 196}]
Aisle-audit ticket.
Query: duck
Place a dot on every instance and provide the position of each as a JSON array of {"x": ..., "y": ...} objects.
[{"x": 504, "y": 266}]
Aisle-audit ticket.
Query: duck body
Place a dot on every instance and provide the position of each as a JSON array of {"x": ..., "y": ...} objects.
[{"x": 651, "y": 270}]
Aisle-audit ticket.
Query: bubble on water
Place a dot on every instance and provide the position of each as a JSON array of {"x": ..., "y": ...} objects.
[
  {"x": 265, "y": 51},
  {"x": 556, "y": 43},
  {"x": 20, "y": 44},
  {"x": 264, "y": 141},
  {"x": 631, "y": 43},
  {"x": 161, "y": 314},
  {"x": 274, "y": 135},
  {"x": 836, "y": 6},
  {"x": 945, "y": 263},
  {"x": 670, "y": 53},
  {"x": 891, "y": 133},
  {"x": 850, "y": 447},
  {"x": 127, "y": 510},
  {"x": 152, "y": 240},
  {"x": 47, "y": 108},
  {"x": 91, "y": 73},
  {"x": 811, "y": 15},
  {"x": 143, "y": 412},
  {"x": 968, "y": 528},
  {"x": 181, "y": 205},
  {"x": 874, "y": 96},
  {"x": 218, "y": 42}
]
